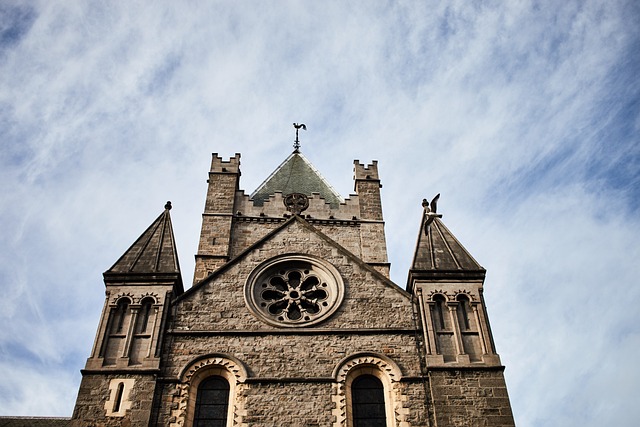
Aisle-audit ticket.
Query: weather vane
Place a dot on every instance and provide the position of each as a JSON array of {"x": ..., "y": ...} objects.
[{"x": 296, "y": 143}]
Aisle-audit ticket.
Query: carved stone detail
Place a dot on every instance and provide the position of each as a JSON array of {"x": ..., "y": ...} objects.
[
  {"x": 294, "y": 290},
  {"x": 181, "y": 397},
  {"x": 390, "y": 374},
  {"x": 136, "y": 299},
  {"x": 231, "y": 366},
  {"x": 464, "y": 292},
  {"x": 433, "y": 293}
]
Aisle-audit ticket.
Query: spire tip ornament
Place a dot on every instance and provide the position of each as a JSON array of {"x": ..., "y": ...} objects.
[
  {"x": 430, "y": 212},
  {"x": 296, "y": 143}
]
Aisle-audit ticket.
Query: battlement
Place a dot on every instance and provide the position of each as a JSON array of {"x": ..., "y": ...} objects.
[
  {"x": 221, "y": 166},
  {"x": 369, "y": 172}
]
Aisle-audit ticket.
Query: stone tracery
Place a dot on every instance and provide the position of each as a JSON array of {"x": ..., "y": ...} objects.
[{"x": 294, "y": 290}]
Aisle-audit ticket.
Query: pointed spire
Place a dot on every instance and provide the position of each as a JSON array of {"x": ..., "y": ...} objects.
[
  {"x": 154, "y": 252},
  {"x": 440, "y": 255}
]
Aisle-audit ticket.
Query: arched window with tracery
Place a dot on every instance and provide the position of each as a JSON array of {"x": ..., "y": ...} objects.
[
  {"x": 212, "y": 403},
  {"x": 367, "y": 402}
]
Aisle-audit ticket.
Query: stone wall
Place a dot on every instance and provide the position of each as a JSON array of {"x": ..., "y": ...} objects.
[
  {"x": 94, "y": 393},
  {"x": 470, "y": 398},
  {"x": 370, "y": 301}
]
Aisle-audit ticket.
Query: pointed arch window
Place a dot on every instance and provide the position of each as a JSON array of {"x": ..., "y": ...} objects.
[
  {"x": 367, "y": 401},
  {"x": 212, "y": 403}
]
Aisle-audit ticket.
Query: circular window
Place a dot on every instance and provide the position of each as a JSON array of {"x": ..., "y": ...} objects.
[{"x": 294, "y": 290}]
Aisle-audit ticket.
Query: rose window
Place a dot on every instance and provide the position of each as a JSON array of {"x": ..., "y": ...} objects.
[{"x": 294, "y": 291}]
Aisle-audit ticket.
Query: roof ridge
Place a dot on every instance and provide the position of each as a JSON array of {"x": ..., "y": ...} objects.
[
  {"x": 322, "y": 178},
  {"x": 140, "y": 250},
  {"x": 261, "y": 186},
  {"x": 448, "y": 246}
]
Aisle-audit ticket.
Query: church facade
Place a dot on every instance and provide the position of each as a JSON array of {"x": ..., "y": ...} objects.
[{"x": 292, "y": 319}]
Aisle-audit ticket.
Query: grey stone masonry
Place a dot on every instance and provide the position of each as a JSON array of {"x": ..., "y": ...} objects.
[
  {"x": 96, "y": 399},
  {"x": 215, "y": 236},
  {"x": 291, "y": 311},
  {"x": 464, "y": 398},
  {"x": 290, "y": 373}
]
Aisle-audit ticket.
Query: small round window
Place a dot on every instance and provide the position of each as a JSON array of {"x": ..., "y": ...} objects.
[{"x": 294, "y": 290}]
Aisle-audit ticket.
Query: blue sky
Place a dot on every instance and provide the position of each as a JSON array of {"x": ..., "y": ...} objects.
[{"x": 524, "y": 115}]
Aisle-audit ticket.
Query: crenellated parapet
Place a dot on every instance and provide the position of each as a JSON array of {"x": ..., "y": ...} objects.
[
  {"x": 215, "y": 235},
  {"x": 367, "y": 186},
  {"x": 229, "y": 166}
]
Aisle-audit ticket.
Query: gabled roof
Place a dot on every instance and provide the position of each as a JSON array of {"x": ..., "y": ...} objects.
[
  {"x": 288, "y": 223},
  {"x": 153, "y": 253},
  {"x": 296, "y": 175},
  {"x": 439, "y": 255}
]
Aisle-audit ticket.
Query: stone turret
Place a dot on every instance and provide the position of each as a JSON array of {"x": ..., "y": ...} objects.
[
  {"x": 458, "y": 350},
  {"x": 125, "y": 360},
  {"x": 215, "y": 236}
]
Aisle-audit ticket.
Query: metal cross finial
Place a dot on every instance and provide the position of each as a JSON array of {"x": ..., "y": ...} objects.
[{"x": 296, "y": 143}]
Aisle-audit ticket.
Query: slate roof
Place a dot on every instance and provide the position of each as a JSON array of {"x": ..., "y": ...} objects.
[
  {"x": 439, "y": 255},
  {"x": 153, "y": 253},
  {"x": 34, "y": 422},
  {"x": 296, "y": 175}
]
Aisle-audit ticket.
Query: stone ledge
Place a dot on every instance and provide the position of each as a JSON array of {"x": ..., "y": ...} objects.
[{"x": 301, "y": 331}]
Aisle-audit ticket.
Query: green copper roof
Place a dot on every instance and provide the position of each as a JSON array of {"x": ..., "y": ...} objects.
[{"x": 296, "y": 175}]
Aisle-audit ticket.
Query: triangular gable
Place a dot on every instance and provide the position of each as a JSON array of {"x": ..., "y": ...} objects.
[
  {"x": 297, "y": 219},
  {"x": 296, "y": 175}
]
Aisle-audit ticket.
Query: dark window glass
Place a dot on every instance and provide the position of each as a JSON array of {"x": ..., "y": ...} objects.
[
  {"x": 439, "y": 299},
  {"x": 212, "y": 403},
  {"x": 144, "y": 315},
  {"x": 118, "y": 400},
  {"x": 367, "y": 401},
  {"x": 463, "y": 312},
  {"x": 123, "y": 304}
]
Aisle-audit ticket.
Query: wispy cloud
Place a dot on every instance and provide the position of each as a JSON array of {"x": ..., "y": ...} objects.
[{"x": 524, "y": 115}]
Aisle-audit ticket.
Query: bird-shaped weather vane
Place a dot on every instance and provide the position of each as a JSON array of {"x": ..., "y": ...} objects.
[
  {"x": 296, "y": 143},
  {"x": 430, "y": 212}
]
